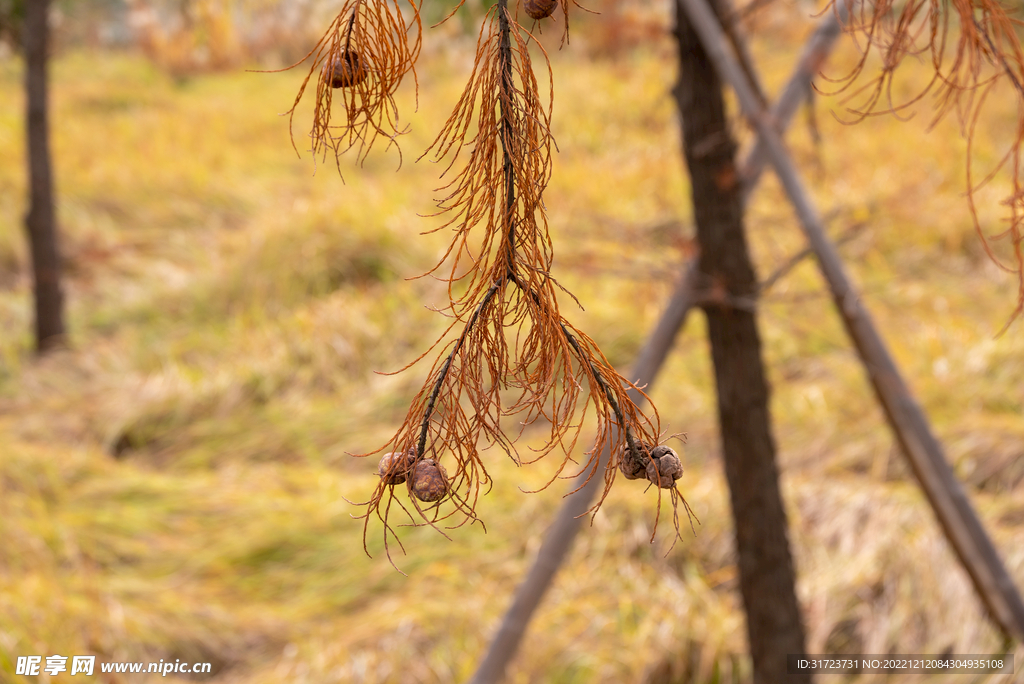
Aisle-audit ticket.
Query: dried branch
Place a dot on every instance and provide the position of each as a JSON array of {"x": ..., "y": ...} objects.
[
  {"x": 515, "y": 355},
  {"x": 362, "y": 57}
]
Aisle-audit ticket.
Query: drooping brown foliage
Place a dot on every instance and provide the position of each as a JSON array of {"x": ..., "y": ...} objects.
[
  {"x": 363, "y": 57},
  {"x": 516, "y": 354},
  {"x": 508, "y": 350},
  {"x": 974, "y": 48}
]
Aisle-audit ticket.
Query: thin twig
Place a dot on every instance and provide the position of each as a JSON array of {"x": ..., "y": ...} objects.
[
  {"x": 425, "y": 425},
  {"x": 999, "y": 55},
  {"x": 795, "y": 260},
  {"x": 583, "y": 357},
  {"x": 505, "y": 59}
]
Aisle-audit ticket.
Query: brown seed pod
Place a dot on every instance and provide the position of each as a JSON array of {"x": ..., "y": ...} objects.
[
  {"x": 345, "y": 70},
  {"x": 429, "y": 480},
  {"x": 665, "y": 467},
  {"x": 662, "y": 450},
  {"x": 394, "y": 467},
  {"x": 538, "y": 9},
  {"x": 632, "y": 467}
]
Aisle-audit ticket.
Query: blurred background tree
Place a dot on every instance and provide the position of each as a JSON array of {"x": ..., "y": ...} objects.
[{"x": 41, "y": 221}]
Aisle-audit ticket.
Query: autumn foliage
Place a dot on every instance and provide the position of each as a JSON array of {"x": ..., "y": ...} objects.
[{"x": 508, "y": 350}]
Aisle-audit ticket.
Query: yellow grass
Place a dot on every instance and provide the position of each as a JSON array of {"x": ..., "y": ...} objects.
[{"x": 228, "y": 309}]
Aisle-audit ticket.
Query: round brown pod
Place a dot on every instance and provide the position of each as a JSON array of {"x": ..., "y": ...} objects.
[
  {"x": 429, "y": 481},
  {"x": 538, "y": 9},
  {"x": 662, "y": 450},
  {"x": 665, "y": 467},
  {"x": 633, "y": 466},
  {"x": 345, "y": 70},
  {"x": 394, "y": 467}
]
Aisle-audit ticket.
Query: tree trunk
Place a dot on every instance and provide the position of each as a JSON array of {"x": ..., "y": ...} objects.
[
  {"x": 40, "y": 221},
  {"x": 766, "y": 573}
]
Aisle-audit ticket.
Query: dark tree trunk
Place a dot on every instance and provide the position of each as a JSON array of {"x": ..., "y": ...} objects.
[
  {"x": 766, "y": 574},
  {"x": 40, "y": 221}
]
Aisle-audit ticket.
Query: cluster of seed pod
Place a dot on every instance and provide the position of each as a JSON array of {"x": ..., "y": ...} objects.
[
  {"x": 660, "y": 465},
  {"x": 539, "y": 9},
  {"x": 345, "y": 70},
  {"x": 428, "y": 480}
]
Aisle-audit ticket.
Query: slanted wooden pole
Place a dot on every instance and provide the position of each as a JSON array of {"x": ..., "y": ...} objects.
[
  {"x": 955, "y": 514},
  {"x": 559, "y": 537},
  {"x": 816, "y": 50}
]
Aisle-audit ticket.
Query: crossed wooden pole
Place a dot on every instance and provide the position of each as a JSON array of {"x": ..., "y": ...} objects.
[{"x": 907, "y": 420}]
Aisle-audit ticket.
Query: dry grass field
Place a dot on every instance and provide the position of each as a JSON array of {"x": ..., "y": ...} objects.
[{"x": 175, "y": 485}]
